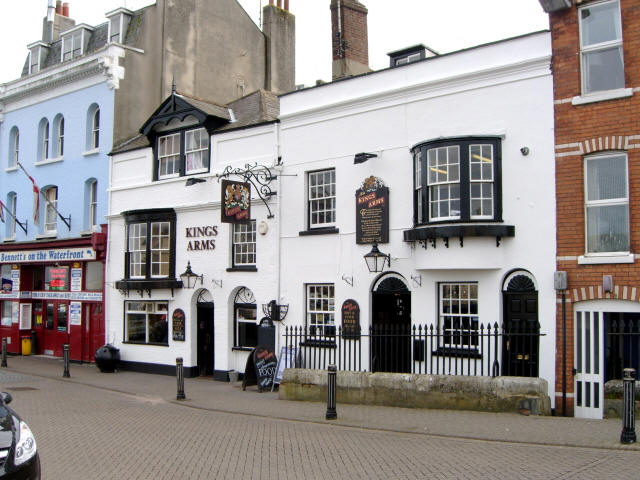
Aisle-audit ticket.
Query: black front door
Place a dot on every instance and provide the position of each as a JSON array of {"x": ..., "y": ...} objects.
[
  {"x": 520, "y": 343},
  {"x": 205, "y": 338},
  {"x": 391, "y": 325}
]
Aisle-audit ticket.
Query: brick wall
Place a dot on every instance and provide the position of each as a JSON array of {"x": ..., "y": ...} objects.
[
  {"x": 354, "y": 31},
  {"x": 580, "y": 130}
]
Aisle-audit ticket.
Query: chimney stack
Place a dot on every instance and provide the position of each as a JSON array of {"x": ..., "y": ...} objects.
[
  {"x": 350, "y": 41},
  {"x": 56, "y": 21},
  {"x": 279, "y": 29}
]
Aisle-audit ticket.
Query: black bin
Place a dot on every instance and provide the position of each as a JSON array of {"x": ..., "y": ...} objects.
[{"x": 107, "y": 358}]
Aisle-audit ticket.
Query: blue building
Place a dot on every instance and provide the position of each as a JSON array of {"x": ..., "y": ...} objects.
[{"x": 83, "y": 90}]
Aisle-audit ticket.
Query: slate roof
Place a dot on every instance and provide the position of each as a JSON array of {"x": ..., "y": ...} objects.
[
  {"x": 256, "y": 108},
  {"x": 97, "y": 40}
]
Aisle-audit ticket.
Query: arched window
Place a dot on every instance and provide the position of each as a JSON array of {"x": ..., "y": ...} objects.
[
  {"x": 50, "y": 210},
  {"x": 244, "y": 319},
  {"x": 43, "y": 137},
  {"x": 91, "y": 203},
  {"x": 14, "y": 147},
  {"x": 58, "y": 123},
  {"x": 93, "y": 127},
  {"x": 12, "y": 207}
]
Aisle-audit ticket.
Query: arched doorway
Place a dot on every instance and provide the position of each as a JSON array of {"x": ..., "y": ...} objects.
[
  {"x": 521, "y": 341},
  {"x": 391, "y": 325},
  {"x": 205, "y": 329}
]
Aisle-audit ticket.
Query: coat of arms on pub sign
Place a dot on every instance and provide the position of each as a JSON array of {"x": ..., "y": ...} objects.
[{"x": 236, "y": 202}]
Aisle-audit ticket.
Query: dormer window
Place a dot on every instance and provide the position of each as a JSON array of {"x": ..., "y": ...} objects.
[
  {"x": 410, "y": 55},
  {"x": 118, "y": 23},
  {"x": 74, "y": 42},
  {"x": 37, "y": 52}
]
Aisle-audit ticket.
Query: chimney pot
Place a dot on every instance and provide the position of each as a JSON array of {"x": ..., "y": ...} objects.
[
  {"x": 270, "y": 2},
  {"x": 279, "y": 3},
  {"x": 65, "y": 9},
  {"x": 59, "y": 7},
  {"x": 286, "y": 5}
]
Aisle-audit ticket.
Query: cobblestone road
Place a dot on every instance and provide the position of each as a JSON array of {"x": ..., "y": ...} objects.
[{"x": 84, "y": 432}]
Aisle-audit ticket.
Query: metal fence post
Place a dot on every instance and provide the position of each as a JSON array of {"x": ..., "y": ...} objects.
[
  {"x": 331, "y": 394},
  {"x": 180, "y": 377},
  {"x": 628, "y": 434},
  {"x": 4, "y": 352},
  {"x": 65, "y": 355}
]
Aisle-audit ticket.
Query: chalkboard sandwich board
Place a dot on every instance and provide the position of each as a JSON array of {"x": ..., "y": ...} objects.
[{"x": 260, "y": 369}]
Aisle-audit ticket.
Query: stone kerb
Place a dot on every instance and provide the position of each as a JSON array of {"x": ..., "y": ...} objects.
[{"x": 499, "y": 394}]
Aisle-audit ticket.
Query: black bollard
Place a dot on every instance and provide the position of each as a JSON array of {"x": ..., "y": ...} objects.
[
  {"x": 4, "y": 353},
  {"x": 180, "y": 377},
  {"x": 65, "y": 354},
  {"x": 331, "y": 394},
  {"x": 628, "y": 434}
]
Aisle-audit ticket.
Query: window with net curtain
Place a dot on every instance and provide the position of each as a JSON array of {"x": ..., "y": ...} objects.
[{"x": 607, "y": 204}]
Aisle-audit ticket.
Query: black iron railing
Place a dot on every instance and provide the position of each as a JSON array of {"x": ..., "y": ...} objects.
[
  {"x": 622, "y": 345},
  {"x": 482, "y": 350}
]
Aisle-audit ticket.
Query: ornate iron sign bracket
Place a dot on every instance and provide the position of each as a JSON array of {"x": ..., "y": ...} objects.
[{"x": 259, "y": 176}]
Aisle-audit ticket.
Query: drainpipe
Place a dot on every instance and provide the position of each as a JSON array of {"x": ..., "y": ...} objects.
[
  {"x": 276, "y": 131},
  {"x": 564, "y": 354}
]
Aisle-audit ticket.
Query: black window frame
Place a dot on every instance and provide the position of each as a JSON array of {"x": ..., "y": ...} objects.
[
  {"x": 182, "y": 168},
  {"x": 149, "y": 281},
  {"x": 464, "y": 179}
]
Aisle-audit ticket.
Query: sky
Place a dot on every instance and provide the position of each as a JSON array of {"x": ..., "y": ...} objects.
[{"x": 442, "y": 25}]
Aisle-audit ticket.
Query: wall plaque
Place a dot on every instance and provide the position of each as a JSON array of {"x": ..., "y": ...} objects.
[
  {"x": 236, "y": 202},
  {"x": 177, "y": 320},
  {"x": 350, "y": 319},
  {"x": 372, "y": 212}
]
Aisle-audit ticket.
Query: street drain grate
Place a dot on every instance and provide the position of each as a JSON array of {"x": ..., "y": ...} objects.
[{"x": 21, "y": 389}]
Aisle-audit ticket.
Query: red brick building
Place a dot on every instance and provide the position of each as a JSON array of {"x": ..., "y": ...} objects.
[{"x": 596, "y": 68}]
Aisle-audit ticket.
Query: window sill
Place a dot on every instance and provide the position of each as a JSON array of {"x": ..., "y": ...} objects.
[
  {"x": 47, "y": 235},
  {"x": 49, "y": 161},
  {"x": 11, "y": 169},
  {"x": 85, "y": 233},
  {"x": 91, "y": 152},
  {"x": 150, "y": 344},
  {"x": 242, "y": 349},
  {"x": 605, "y": 259},
  {"x": 319, "y": 231},
  {"x": 9, "y": 240},
  {"x": 242, "y": 269},
  {"x": 456, "y": 352},
  {"x": 602, "y": 96}
]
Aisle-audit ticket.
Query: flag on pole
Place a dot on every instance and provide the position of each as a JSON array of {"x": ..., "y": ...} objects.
[
  {"x": 36, "y": 201},
  {"x": 2, "y": 207}
]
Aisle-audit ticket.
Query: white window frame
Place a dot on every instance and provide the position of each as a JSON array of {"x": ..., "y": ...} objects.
[
  {"x": 201, "y": 151},
  {"x": 148, "y": 309},
  {"x": 117, "y": 19},
  {"x": 45, "y": 140},
  {"x": 418, "y": 186},
  {"x": 93, "y": 204},
  {"x": 320, "y": 308},
  {"x": 34, "y": 67},
  {"x": 95, "y": 129},
  {"x": 13, "y": 208},
  {"x": 76, "y": 50},
  {"x": 60, "y": 137},
  {"x": 50, "y": 213},
  {"x": 137, "y": 249},
  {"x": 447, "y": 319},
  {"x": 607, "y": 202},
  {"x": 164, "y": 157},
  {"x": 319, "y": 203},
  {"x": 14, "y": 147},
  {"x": 160, "y": 254},
  {"x": 243, "y": 241},
  {"x": 481, "y": 160},
  {"x": 585, "y": 50},
  {"x": 434, "y": 185}
]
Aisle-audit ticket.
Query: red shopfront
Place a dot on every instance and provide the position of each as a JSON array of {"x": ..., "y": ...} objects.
[{"x": 53, "y": 294}]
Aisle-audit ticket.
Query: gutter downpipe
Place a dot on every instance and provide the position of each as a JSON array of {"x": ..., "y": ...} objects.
[{"x": 564, "y": 354}]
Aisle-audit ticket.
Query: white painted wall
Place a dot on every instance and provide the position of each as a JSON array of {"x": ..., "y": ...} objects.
[{"x": 503, "y": 89}]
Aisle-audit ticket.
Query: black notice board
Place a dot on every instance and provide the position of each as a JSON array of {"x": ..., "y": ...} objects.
[
  {"x": 372, "y": 215},
  {"x": 350, "y": 319},
  {"x": 177, "y": 319},
  {"x": 260, "y": 368}
]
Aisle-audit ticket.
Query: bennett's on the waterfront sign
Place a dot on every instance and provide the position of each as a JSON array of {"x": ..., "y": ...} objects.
[{"x": 48, "y": 255}]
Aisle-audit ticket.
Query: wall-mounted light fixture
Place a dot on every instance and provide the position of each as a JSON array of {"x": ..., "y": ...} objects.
[
  {"x": 376, "y": 259},
  {"x": 363, "y": 157},
  {"x": 193, "y": 181},
  {"x": 275, "y": 311},
  {"x": 189, "y": 278}
]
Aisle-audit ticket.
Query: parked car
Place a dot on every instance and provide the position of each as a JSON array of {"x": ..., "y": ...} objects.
[{"x": 19, "y": 459}]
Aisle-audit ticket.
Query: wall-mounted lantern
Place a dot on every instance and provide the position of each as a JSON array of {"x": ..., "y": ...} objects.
[
  {"x": 376, "y": 259},
  {"x": 189, "y": 278}
]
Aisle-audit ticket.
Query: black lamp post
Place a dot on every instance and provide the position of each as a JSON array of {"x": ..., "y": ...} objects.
[
  {"x": 189, "y": 279},
  {"x": 376, "y": 259}
]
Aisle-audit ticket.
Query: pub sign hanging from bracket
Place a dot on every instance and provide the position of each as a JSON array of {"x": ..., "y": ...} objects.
[{"x": 236, "y": 202}]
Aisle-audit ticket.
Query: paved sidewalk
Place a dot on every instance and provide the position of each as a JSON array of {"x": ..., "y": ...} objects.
[{"x": 206, "y": 394}]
